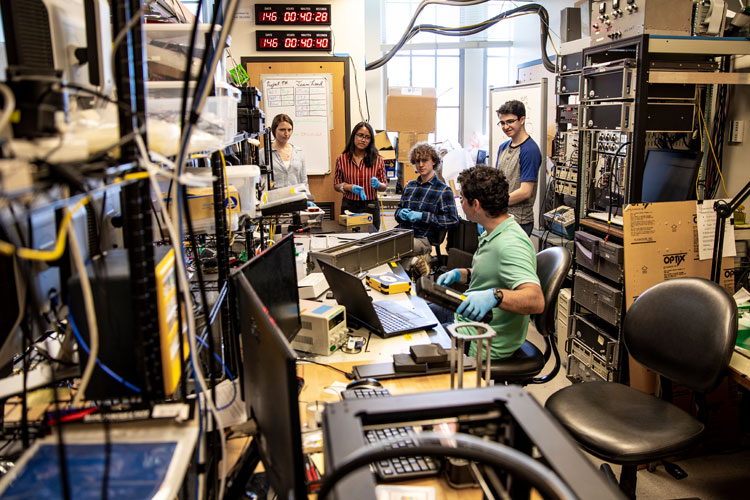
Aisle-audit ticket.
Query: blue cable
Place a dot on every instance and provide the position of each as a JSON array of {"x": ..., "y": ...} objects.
[
  {"x": 229, "y": 375},
  {"x": 104, "y": 367}
]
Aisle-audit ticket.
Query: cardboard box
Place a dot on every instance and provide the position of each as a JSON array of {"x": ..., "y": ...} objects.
[
  {"x": 202, "y": 202},
  {"x": 411, "y": 109},
  {"x": 382, "y": 141},
  {"x": 661, "y": 243},
  {"x": 406, "y": 141}
]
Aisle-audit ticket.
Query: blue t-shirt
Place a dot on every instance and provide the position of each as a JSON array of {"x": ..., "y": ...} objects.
[{"x": 520, "y": 164}]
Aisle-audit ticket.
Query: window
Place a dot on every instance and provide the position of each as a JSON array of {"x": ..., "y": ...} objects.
[
  {"x": 430, "y": 60},
  {"x": 431, "y": 66}
]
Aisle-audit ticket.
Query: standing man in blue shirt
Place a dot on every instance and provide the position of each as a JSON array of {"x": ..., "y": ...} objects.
[
  {"x": 519, "y": 159},
  {"x": 426, "y": 207}
]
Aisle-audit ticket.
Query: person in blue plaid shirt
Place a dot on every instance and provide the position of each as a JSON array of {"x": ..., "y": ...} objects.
[{"x": 426, "y": 207}]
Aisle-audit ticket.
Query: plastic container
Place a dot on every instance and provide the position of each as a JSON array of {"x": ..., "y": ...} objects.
[
  {"x": 167, "y": 46},
  {"x": 244, "y": 178},
  {"x": 218, "y": 117}
]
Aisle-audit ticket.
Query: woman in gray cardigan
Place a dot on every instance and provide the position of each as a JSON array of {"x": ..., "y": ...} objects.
[{"x": 288, "y": 160}]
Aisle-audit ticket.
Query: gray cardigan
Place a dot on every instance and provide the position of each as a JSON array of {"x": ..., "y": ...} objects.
[{"x": 295, "y": 174}]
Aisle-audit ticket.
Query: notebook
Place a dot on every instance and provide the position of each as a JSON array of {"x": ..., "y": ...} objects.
[{"x": 385, "y": 318}]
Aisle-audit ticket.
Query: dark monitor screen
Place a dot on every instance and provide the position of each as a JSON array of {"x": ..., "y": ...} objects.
[
  {"x": 273, "y": 276},
  {"x": 270, "y": 391},
  {"x": 669, "y": 175}
]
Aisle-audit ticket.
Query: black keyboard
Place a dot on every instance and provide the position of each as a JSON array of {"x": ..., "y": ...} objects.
[
  {"x": 392, "y": 322},
  {"x": 362, "y": 393},
  {"x": 401, "y": 468}
]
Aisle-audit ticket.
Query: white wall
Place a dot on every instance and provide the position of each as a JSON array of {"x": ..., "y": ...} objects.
[{"x": 347, "y": 25}]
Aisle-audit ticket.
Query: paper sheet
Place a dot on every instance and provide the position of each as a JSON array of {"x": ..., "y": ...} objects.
[
  {"x": 397, "y": 492},
  {"x": 707, "y": 227},
  {"x": 233, "y": 414}
]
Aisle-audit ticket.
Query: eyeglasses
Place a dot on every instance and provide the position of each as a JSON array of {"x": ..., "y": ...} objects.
[
  {"x": 363, "y": 137},
  {"x": 507, "y": 123}
]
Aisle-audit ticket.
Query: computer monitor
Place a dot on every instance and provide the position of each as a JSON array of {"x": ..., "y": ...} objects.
[
  {"x": 273, "y": 276},
  {"x": 669, "y": 175},
  {"x": 270, "y": 391}
]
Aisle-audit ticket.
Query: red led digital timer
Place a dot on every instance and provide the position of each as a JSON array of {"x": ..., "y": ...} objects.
[{"x": 293, "y": 14}]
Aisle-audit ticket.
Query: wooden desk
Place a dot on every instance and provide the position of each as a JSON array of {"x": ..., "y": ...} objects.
[{"x": 318, "y": 378}]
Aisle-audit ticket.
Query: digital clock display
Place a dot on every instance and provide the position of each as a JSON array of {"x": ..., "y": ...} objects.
[
  {"x": 286, "y": 14},
  {"x": 293, "y": 40}
]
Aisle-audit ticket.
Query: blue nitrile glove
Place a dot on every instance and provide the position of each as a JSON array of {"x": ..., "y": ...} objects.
[
  {"x": 403, "y": 214},
  {"x": 447, "y": 279},
  {"x": 374, "y": 182},
  {"x": 480, "y": 229},
  {"x": 477, "y": 304},
  {"x": 359, "y": 191},
  {"x": 415, "y": 216},
  {"x": 311, "y": 204}
]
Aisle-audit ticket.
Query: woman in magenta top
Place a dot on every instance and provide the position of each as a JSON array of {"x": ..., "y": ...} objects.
[{"x": 360, "y": 173}]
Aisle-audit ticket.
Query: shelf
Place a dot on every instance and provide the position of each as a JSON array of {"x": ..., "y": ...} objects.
[
  {"x": 658, "y": 44},
  {"x": 603, "y": 227},
  {"x": 698, "y": 77}
]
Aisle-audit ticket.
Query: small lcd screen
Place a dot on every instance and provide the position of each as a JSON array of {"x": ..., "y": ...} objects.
[{"x": 669, "y": 175}]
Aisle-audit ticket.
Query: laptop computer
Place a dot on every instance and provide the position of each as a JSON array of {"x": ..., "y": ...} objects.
[{"x": 385, "y": 317}]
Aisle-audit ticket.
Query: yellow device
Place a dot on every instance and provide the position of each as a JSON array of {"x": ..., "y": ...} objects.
[
  {"x": 355, "y": 219},
  {"x": 389, "y": 283},
  {"x": 166, "y": 301}
]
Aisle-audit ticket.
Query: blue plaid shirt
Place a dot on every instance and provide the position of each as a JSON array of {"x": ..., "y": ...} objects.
[{"x": 435, "y": 200}]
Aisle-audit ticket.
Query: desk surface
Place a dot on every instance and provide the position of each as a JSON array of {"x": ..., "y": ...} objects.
[{"x": 318, "y": 378}]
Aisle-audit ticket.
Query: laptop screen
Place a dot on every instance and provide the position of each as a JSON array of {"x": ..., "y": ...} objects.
[{"x": 349, "y": 291}]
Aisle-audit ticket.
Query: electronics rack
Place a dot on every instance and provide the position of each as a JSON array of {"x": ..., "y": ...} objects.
[
  {"x": 138, "y": 232},
  {"x": 562, "y": 188},
  {"x": 633, "y": 93}
]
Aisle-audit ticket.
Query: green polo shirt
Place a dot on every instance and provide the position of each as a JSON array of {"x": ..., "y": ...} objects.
[{"x": 505, "y": 259}]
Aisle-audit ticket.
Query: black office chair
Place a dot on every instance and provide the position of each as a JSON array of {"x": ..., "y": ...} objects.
[
  {"x": 439, "y": 260},
  {"x": 552, "y": 265},
  {"x": 684, "y": 330}
]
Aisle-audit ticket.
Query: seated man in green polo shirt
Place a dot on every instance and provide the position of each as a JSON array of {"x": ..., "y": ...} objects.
[{"x": 503, "y": 274}]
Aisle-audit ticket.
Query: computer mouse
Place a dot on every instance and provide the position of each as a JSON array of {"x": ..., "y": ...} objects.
[{"x": 364, "y": 383}]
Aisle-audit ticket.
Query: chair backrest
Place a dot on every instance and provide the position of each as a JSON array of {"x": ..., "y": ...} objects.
[
  {"x": 685, "y": 330},
  {"x": 442, "y": 233},
  {"x": 463, "y": 236},
  {"x": 552, "y": 265}
]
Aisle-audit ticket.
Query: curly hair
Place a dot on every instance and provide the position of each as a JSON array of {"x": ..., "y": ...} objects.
[
  {"x": 512, "y": 108},
  {"x": 281, "y": 117},
  {"x": 371, "y": 152},
  {"x": 422, "y": 150},
  {"x": 488, "y": 185}
]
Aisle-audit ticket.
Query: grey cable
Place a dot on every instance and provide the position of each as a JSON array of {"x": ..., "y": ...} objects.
[
  {"x": 463, "y": 31},
  {"x": 539, "y": 476}
]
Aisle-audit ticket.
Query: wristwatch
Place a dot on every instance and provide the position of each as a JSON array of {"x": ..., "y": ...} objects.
[{"x": 498, "y": 296}]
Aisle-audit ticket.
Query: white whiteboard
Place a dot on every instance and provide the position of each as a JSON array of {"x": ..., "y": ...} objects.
[
  {"x": 306, "y": 98},
  {"x": 534, "y": 98}
]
